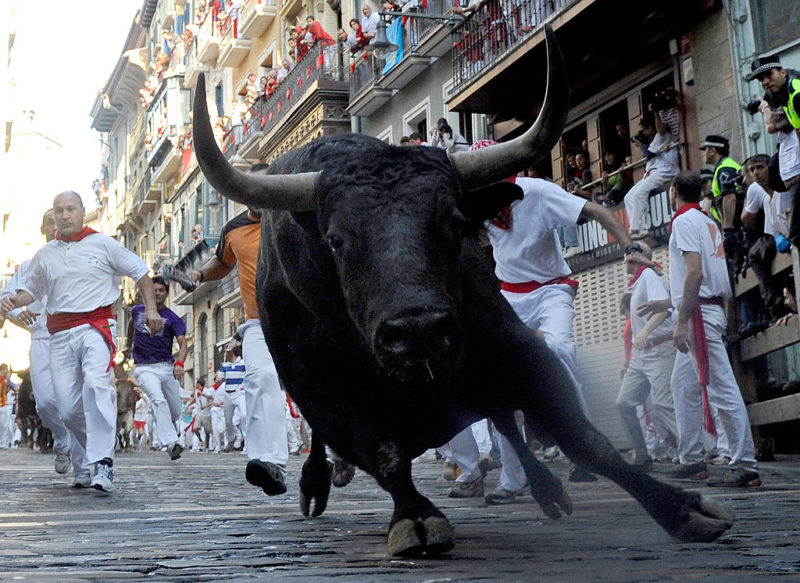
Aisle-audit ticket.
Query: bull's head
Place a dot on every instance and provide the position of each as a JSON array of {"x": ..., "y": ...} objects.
[{"x": 394, "y": 228}]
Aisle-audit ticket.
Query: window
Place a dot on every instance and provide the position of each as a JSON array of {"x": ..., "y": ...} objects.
[
  {"x": 774, "y": 23},
  {"x": 219, "y": 324},
  {"x": 416, "y": 120},
  {"x": 202, "y": 341}
]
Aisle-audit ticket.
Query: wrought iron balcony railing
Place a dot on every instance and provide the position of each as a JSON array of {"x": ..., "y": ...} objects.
[{"x": 489, "y": 33}]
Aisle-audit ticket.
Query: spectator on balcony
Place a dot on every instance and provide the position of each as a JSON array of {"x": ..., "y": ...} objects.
[
  {"x": 616, "y": 182},
  {"x": 200, "y": 12},
  {"x": 283, "y": 72},
  {"x": 405, "y": 142},
  {"x": 234, "y": 8},
  {"x": 369, "y": 22},
  {"x": 663, "y": 164},
  {"x": 445, "y": 137},
  {"x": 317, "y": 33},
  {"x": 497, "y": 30},
  {"x": 412, "y": 28},
  {"x": 416, "y": 139},
  {"x": 197, "y": 234},
  {"x": 357, "y": 34},
  {"x": 263, "y": 84}
]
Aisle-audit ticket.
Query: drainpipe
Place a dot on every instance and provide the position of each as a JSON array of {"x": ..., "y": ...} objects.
[{"x": 743, "y": 50}]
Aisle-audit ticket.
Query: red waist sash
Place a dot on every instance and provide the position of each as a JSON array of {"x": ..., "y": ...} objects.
[
  {"x": 97, "y": 319},
  {"x": 701, "y": 354},
  {"x": 529, "y": 286}
]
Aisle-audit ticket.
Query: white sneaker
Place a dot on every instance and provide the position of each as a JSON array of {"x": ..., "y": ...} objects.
[
  {"x": 63, "y": 462},
  {"x": 82, "y": 481},
  {"x": 103, "y": 477},
  {"x": 572, "y": 252}
]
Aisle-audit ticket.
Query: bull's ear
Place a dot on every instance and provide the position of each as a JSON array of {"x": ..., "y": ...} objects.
[{"x": 481, "y": 204}]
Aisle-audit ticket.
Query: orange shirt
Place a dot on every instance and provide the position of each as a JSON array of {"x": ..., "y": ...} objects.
[{"x": 239, "y": 244}]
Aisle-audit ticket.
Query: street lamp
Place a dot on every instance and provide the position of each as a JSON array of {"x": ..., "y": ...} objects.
[{"x": 381, "y": 48}]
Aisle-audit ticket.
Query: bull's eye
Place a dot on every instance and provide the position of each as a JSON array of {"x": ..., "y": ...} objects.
[{"x": 335, "y": 242}]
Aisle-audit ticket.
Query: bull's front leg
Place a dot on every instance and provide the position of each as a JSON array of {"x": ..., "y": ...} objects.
[
  {"x": 315, "y": 479},
  {"x": 417, "y": 526},
  {"x": 553, "y": 404}
]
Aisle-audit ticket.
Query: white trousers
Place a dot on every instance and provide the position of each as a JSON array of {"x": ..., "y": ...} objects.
[
  {"x": 235, "y": 402},
  {"x": 550, "y": 309},
  {"x": 6, "y": 431},
  {"x": 649, "y": 373},
  {"x": 723, "y": 395},
  {"x": 79, "y": 359},
  {"x": 512, "y": 476},
  {"x": 637, "y": 199},
  {"x": 46, "y": 403},
  {"x": 266, "y": 419},
  {"x": 163, "y": 390},
  {"x": 218, "y": 426},
  {"x": 464, "y": 450}
]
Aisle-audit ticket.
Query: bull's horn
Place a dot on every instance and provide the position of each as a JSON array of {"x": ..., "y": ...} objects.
[
  {"x": 281, "y": 191},
  {"x": 487, "y": 165}
]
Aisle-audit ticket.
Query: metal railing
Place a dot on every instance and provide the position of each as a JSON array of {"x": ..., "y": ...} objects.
[
  {"x": 320, "y": 63},
  {"x": 490, "y": 32}
]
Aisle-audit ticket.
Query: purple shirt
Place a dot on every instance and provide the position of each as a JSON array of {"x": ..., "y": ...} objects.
[{"x": 158, "y": 348}]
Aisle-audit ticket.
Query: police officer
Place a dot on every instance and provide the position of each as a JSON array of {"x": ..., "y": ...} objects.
[{"x": 723, "y": 190}]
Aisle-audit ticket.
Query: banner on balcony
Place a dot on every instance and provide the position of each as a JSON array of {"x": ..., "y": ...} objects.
[{"x": 395, "y": 35}]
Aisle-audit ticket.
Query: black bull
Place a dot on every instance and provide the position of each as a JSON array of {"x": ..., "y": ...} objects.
[{"x": 388, "y": 329}]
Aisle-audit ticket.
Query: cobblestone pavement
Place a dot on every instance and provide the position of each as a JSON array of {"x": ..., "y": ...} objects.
[{"x": 197, "y": 520}]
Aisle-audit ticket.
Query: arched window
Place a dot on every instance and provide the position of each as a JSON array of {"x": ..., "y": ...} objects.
[{"x": 219, "y": 325}]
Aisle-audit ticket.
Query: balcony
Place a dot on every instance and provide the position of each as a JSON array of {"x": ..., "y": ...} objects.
[
  {"x": 319, "y": 78},
  {"x": 366, "y": 94},
  {"x": 256, "y": 17},
  {"x": 232, "y": 48},
  {"x": 208, "y": 40},
  {"x": 193, "y": 68},
  {"x": 146, "y": 196},
  {"x": 166, "y": 165}
]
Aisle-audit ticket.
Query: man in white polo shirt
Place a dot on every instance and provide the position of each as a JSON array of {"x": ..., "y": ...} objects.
[
  {"x": 702, "y": 377},
  {"x": 79, "y": 273}
]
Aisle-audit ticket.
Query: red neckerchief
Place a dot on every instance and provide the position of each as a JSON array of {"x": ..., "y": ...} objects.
[
  {"x": 503, "y": 218},
  {"x": 687, "y": 207},
  {"x": 639, "y": 272},
  {"x": 79, "y": 236}
]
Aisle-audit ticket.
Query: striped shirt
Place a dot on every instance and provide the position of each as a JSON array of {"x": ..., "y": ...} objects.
[{"x": 233, "y": 372}]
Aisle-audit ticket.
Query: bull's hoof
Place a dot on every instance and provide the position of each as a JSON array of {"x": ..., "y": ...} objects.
[
  {"x": 343, "y": 473},
  {"x": 414, "y": 538},
  {"x": 707, "y": 521},
  {"x": 315, "y": 486},
  {"x": 551, "y": 506}
]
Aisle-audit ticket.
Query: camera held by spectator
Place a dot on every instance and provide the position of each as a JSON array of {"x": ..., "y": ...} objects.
[{"x": 753, "y": 106}]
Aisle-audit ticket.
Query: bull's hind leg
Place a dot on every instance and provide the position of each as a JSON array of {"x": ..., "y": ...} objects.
[
  {"x": 545, "y": 487},
  {"x": 553, "y": 404}
]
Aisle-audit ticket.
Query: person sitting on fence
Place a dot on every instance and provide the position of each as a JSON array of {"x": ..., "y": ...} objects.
[{"x": 761, "y": 245}]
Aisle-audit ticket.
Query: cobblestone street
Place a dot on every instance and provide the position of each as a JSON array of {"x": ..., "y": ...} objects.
[{"x": 196, "y": 520}]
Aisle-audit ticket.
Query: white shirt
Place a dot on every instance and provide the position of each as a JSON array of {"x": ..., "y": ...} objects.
[
  {"x": 369, "y": 24},
  {"x": 788, "y": 154},
  {"x": 667, "y": 162},
  {"x": 694, "y": 231},
  {"x": 140, "y": 413},
  {"x": 777, "y": 208},
  {"x": 648, "y": 287},
  {"x": 530, "y": 250},
  {"x": 81, "y": 276},
  {"x": 39, "y": 328},
  {"x": 202, "y": 402}
]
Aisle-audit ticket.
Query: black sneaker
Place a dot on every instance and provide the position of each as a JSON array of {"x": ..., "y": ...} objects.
[
  {"x": 267, "y": 476},
  {"x": 736, "y": 478},
  {"x": 693, "y": 471},
  {"x": 174, "y": 451}
]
